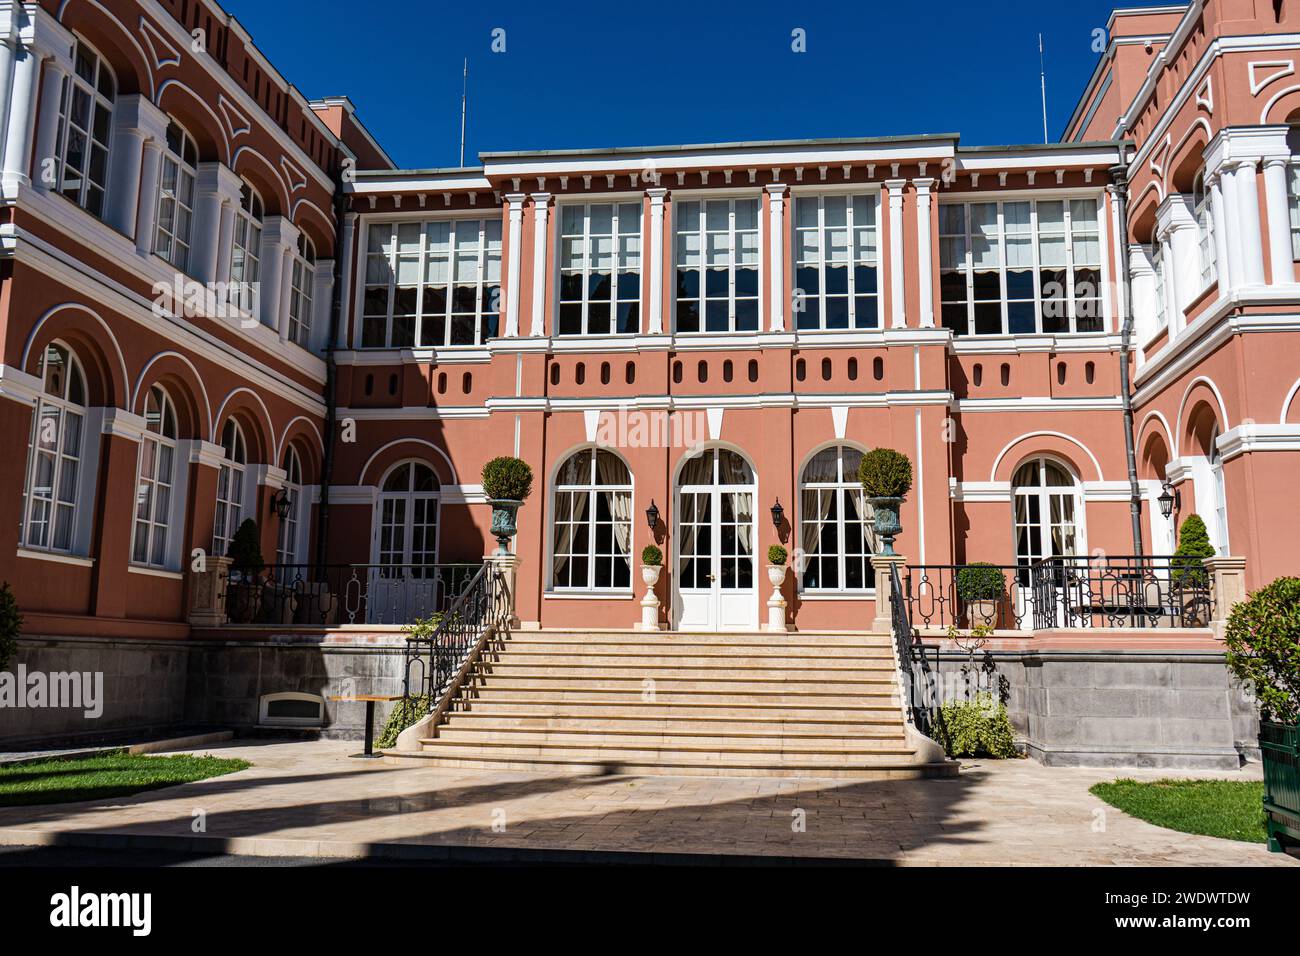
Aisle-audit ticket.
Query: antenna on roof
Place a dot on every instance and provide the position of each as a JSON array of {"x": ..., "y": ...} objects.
[
  {"x": 1042, "y": 84},
  {"x": 464, "y": 92}
]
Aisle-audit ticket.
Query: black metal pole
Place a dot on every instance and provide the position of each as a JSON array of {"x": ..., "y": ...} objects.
[{"x": 1119, "y": 177}]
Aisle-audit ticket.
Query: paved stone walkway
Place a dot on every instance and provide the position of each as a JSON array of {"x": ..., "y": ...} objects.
[{"x": 310, "y": 799}]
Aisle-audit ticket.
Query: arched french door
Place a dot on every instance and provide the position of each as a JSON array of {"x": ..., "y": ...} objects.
[
  {"x": 1046, "y": 511},
  {"x": 716, "y": 580},
  {"x": 403, "y": 576}
]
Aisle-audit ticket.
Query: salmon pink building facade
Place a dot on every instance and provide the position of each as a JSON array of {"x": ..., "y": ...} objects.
[{"x": 222, "y": 302}]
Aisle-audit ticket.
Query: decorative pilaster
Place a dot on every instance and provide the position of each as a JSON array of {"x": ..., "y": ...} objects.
[
  {"x": 348, "y": 241},
  {"x": 279, "y": 238},
  {"x": 514, "y": 259},
  {"x": 147, "y": 209},
  {"x": 1282, "y": 271},
  {"x": 897, "y": 309},
  {"x": 139, "y": 129},
  {"x": 776, "y": 254},
  {"x": 216, "y": 194},
  {"x": 1250, "y": 240},
  {"x": 656, "y": 326},
  {"x": 22, "y": 117},
  {"x": 1176, "y": 229},
  {"x": 541, "y": 208},
  {"x": 1222, "y": 255},
  {"x": 925, "y": 274}
]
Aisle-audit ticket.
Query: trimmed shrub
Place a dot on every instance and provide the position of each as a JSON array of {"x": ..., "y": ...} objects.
[
  {"x": 885, "y": 473},
  {"x": 405, "y": 712},
  {"x": 1187, "y": 567},
  {"x": 508, "y": 479},
  {"x": 978, "y": 727},
  {"x": 776, "y": 554},
  {"x": 245, "y": 551},
  {"x": 1263, "y": 639},
  {"x": 651, "y": 555},
  {"x": 11, "y": 625},
  {"x": 981, "y": 581}
]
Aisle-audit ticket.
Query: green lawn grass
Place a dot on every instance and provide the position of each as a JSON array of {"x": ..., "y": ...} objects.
[
  {"x": 1231, "y": 809},
  {"x": 116, "y": 774}
]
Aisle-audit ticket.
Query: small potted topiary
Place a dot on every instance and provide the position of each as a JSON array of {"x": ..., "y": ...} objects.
[
  {"x": 886, "y": 477},
  {"x": 507, "y": 482},
  {"x": 1263, "y": 652},
  {"x": 11, "y": 625},
  {"x": 776, "y": 556},
  {"x": 980, "y": 587},
  {"x": 652, "y": 561},
  {"x": 243, "y": 588}
]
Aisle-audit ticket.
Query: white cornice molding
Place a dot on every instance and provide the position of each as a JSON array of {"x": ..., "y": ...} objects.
[
  {"x": 120, "y": 423},
  {"x": 1020, "y": 344},
  {"x": 18, "y": 386},
  {"x": 1039, "y": 403},
  {"x": 205, "y": 453},
  {"x": 1247, "y": 438}
]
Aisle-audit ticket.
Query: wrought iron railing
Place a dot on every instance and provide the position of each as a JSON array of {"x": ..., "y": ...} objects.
[
  {"x": 336, "y": 594},
  {"x": 923, "y": 703},
  {"x": 436, "y": 650},
  {"x": 1141, "y": 591},
  {"x": 1138, "y": 591}
]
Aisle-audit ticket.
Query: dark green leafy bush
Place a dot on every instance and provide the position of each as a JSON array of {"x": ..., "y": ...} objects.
[
  {"x": 245, "y": 551},
  {"x": 981, "y": 581},
  {"x": 404, "y": 713},
  {"x": 978, "y": 727},
  {"x": 11, "y": 623},
  {"x": 1263, "y": 639},
  {"x": 776, "y": 554},
  {"x": 651, "y": 555},
  {"x": 885, "y": 473},
  {"x": 507, "y": 479},
  {"x": 1188, "y": 568}
]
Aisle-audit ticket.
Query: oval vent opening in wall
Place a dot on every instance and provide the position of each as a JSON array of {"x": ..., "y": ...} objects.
[{"x": 290, "y": 709}]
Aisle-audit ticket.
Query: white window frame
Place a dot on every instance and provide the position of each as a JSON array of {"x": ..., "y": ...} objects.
[
  {"x": 1035, "y": 234},
  {"x": 487, "y": 284},
  {"x": 49, "y": 419},
  {"x": 246, "y": 250},
  {"x": 1204, "y": 231},
  {"x": 819, "y": 261},
  {"x": 1158, "y": 267},
  {"x": 152, "y": 486},
  {"x": 405, "y": 565},
  {"x": 841, "y": 487},
  {"x": 702, "y": 234},
  {"x": 231, "y": 475},
  {"x": 84, "y": 188},
  {"x": 591, "y": 488},
  {"x": 303, "y": 274},
  {"x": 623, "y": 262},
  {"x": 286, "y": 542},
  {"x": 174, "y": 234},
  {"x": 1044, "y": 492},
  {"x": 1293, "y": 207},
  {"x": 1220, "y": 491}
]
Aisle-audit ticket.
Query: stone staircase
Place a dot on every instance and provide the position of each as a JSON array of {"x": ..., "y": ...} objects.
[{"x": 752, "y": 704}]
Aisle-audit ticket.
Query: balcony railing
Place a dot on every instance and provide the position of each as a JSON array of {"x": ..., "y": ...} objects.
[
  {"x": 1133, "y": 591},
  {"x": 339, "y": 594}
]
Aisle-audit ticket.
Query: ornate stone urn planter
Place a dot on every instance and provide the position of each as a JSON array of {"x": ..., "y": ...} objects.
[
  {"x": 886, "y": 524},
  {"x": 776, "y": 604},
  {"x": 886, "y": 477},
  {"x": 651, "y": 567},
  {"x": 504, "y": 525},
  {"x": 506, "y": 483}
]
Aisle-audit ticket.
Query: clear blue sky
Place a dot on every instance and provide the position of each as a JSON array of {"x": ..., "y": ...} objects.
[{"x": 631, "y": 73}]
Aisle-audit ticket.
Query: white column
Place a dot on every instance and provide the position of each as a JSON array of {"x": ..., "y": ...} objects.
[
  {"x": 345, "y": 294},
  {"x": 541, "y": 208},
  {"x": 897, "y": 305},
  {"x": 1279, "y": 221},
  {"x": 1250, "y": 239},
  {"x": 216, "y": 189},
  {"x": 147, "y": 190},
  {"x": 136, "y": 121},
  {"x": 1176, "y": 228},
  {"x": 1222, "y": 255},
  {"x": 515, "y": 255},
  {"x": 45, "y": 169},
  {"x": 322, "y": 300},
  {"x": 22, "y": 118},
  {"x": 7, "y": 43},
  {"x": 925, "y": 274},
  {"x": 279, "y": 237},
  {"x": 286, "y": 291},
  {"x": 776, "y": 253},
  {"x": 656, "y": 195},
  {"x": 1142, "y": 279}
]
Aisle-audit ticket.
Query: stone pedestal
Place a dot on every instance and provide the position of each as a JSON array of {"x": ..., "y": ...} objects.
[
  {"x": 884, "y": 622},
  {"x": 776, "y": 603},
  {"x": 650, "y": 603},
  {"x": 1227, "y": 589},
  {"x": 208, "y": 593},
  {"x": 506, "y": 565}
]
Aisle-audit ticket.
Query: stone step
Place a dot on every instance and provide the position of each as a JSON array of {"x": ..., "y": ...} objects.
[
  {"x": 674, "y": 722},
  {"x": 682, "y": 695},
  {"x": 704, "y": 741},
  {"x": 801, "y": 640},
  {"x": 515, "y": 669},
  {"x": 653, "y": 752},
  {"x": 698, "y": 708},
  {"x": 700, "y": 684},
  {"x": 690, "y": 656},
  {"x": 865, "y": 768}
]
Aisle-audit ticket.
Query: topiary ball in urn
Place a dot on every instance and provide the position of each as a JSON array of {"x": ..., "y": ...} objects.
[
  {"x": 886, "y": 477},
  {"x": 506, "y": 482}
]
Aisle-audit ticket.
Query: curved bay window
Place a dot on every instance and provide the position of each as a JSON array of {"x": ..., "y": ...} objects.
[
  {"x": 717, "y": 265},
  {"x": 593, "y": 523},
  {"x": 54, "y": 453},
  {"x": 600, "y": 268},
  {"x": 286, "y": 543},
  {"x": 154, "y": 480},
  {"x": 300, "y": 305},
  {"x": 1045, "y": 500},
  {"x": 836, "y": 534},
  {"x": 835, "y": 262},
  {"x": 230, "y": 487},
  {"x": 176, "y": 197},
  {"x": 85, "y": 130},
  {"x": 246, "y": 250}
]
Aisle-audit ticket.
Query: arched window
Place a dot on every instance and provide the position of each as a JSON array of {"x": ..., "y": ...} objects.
[
  {"x": 835, "y": 529},
  {"x": 176, "y": 197},
  {"x": 245, "y": 250},
  {"x": 154, "y": 479},
  {"x": 54, "y": 453},
  {"x": 286, "y": 545},
  {"x": 1046, "y": 506},
  {"x": 593, "y": 523},
  {"x": 230, "y": 487},
  {"x": 1205, "y": 230},
  {"x": 1220, "y": 492},
  {"x": 85, "y": 130},
  {"x": 408, "y": 519},
  {"x": 304, "y": 270},
  {"x": 1158, "y": 267}
]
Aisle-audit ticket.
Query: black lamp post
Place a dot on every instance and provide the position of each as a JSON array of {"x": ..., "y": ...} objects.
[
  {"x": 1170, "y": 498},
  {"x": 652, "y": 515},
  {"x": 778, "y": 513}
]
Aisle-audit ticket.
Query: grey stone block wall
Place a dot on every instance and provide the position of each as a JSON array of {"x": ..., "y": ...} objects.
[{"x": 1125, "y": 708}]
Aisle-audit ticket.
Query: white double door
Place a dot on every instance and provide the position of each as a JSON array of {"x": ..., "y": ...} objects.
[
  {"x": 717, "y": 580},
  {"x": 403, "y": 578}
]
